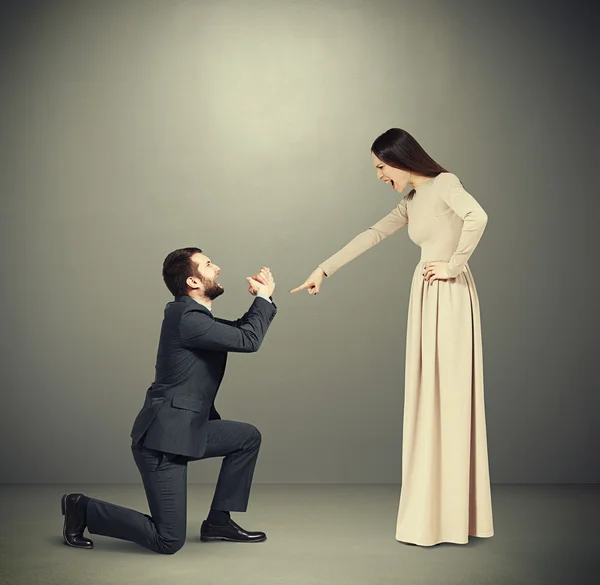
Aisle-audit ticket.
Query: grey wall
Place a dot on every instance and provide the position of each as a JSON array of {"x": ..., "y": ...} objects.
[{"x": 243, "y": 127}]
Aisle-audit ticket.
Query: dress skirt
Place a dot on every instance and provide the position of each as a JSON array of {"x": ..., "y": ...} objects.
[{"x": 445, "y": 494}]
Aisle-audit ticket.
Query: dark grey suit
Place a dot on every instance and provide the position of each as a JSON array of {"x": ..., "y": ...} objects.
[{"x": 179, "y": 423}]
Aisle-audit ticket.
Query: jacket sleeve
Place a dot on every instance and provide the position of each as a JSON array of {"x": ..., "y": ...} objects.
[
  {"x": 202, "y": 331},
  {"x": 386, "y": 226},
  {"x": 243, "y": 319},
  {"x": 474, "y": 221}
]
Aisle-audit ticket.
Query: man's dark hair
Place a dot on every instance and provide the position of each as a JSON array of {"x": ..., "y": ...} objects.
[{"x": 177, "y": 268}]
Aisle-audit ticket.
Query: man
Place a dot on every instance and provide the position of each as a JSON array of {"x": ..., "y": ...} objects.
[{"x": 179, "y": 423}]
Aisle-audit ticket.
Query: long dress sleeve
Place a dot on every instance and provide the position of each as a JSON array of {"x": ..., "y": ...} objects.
[
  {"x": 474, "y": 221},
  {"x": 386, "y": 226}
]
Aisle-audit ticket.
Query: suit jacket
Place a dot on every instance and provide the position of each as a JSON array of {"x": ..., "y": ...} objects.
[{"x": 192, "y": 353}]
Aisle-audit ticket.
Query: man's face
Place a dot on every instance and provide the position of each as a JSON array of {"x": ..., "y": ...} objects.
[{"x": 205, "y": 278}]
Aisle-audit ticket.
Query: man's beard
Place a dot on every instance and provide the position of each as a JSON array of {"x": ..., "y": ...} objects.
[{"x": 212, "y": 290}]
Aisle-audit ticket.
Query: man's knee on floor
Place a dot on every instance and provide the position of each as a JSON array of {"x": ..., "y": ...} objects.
[{"x": 170, "y": 547}]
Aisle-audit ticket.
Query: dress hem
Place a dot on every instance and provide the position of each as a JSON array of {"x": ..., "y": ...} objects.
[{"x": 446, "y": 540}]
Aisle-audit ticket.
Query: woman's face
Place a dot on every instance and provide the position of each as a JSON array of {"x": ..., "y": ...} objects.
[{"x": 397, "y": 178}]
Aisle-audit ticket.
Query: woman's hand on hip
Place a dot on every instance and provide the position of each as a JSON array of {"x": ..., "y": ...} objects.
[{"x": 435, "y": 271}]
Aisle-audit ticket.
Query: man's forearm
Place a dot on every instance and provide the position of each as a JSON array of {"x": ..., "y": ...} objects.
[{"x": 243, "y": 318}]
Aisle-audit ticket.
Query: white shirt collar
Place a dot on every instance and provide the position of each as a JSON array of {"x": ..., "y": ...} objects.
[{"x": 203, "y": 304}]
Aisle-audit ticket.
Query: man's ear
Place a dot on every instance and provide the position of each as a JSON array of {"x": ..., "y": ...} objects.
[{"x": 193, "y": 282}]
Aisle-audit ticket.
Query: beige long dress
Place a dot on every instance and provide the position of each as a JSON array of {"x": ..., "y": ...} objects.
[{"x": 445, "y": 494}]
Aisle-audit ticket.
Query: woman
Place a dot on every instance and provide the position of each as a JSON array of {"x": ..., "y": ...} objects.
[{"x": 445, "y": 493}]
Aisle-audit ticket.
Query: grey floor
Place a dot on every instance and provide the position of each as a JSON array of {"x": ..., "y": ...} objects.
[{"x": 317, "y": 535}]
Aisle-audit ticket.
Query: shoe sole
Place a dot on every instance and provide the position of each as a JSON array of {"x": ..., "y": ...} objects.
[
  {"x": 225, "y": 539},
  {"x": 63, "y": 509}
]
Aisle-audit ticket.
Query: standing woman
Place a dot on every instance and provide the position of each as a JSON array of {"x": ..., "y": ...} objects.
[{"x": 445, "y": 493}]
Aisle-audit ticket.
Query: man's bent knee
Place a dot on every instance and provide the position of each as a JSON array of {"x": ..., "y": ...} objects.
[
  {"x": 255, "y": 437},
  {"x": 170, "y": 547}
]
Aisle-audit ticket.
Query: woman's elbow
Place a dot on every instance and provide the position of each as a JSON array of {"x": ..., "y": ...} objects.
[{"x": 482, "y": 218}]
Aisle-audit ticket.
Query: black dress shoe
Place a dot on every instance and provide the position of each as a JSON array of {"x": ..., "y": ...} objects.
[
  {"x": 74, "y": 510},
  {"x": 230, "y": 532}
]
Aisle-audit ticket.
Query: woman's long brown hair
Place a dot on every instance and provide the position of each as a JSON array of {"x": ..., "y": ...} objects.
[{"x": 399, "y": 149}]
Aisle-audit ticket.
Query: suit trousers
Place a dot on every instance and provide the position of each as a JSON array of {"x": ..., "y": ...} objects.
[{"x": 164, "y": 476}]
